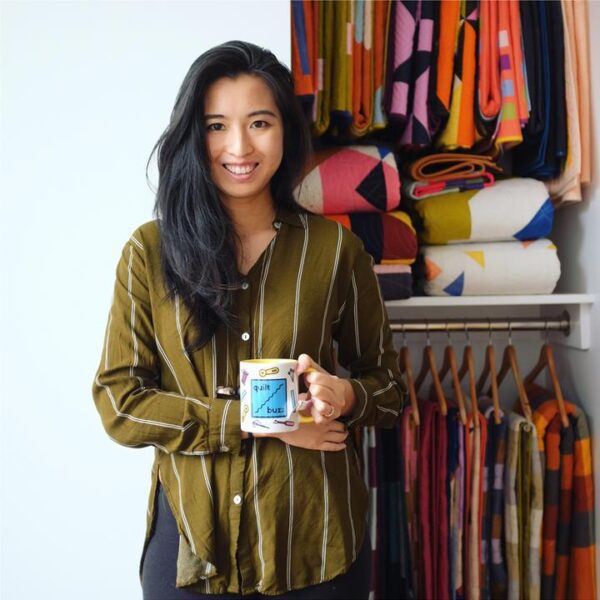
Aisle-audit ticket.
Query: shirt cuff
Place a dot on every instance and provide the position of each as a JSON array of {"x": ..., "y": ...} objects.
[{"x": 224, "y": 429}]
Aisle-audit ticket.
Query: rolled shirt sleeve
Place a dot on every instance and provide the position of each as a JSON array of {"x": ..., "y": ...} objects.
[
  {"x": 127, "y": 392},
  {"x": 366, "y": 350}
]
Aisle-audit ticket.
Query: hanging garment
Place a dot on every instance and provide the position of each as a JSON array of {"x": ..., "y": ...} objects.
[
  {"x": 569, "y": 550},
  {"x": 455, "y": 487},
  {"x": 490, "y": 268},
  {"x": 433, "y": 503},
  {"x": 350, "y": 179},
  {"x": 460, "y": 131},
  {"x": 512, "y": 209},
  {"x": 523, "y": 509},
  {"x": 362, "y": 68},
  {"x": 395, "y": 281},
  {"x": 394, "y": 556},
  {"x": 370, "y": 476},
  {"x": 477, "y": 442},
  {"x": 410, "y": 445},
  {"x": 304, "y": 52},
  {"x": 388, "y": 237},
  {"x": 493, "y": 561}
]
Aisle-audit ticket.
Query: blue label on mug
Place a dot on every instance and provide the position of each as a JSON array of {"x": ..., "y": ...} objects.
[{"x": 269, "y": 398}]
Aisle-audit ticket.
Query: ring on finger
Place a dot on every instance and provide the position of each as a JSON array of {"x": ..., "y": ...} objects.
[{"x": 330, "y": 413}]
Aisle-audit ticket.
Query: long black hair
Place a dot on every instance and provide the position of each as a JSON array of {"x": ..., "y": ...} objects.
[{"x": 197, "y": 236}]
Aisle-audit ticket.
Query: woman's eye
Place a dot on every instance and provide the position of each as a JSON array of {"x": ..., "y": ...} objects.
[
  {"x": 214, "y": 126},
  {"x": 260, "y": 124}
]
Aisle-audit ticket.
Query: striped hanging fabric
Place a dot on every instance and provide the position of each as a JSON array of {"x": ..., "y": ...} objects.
[
  {"x": 304, "y": 52},
  {"x": 460, "y": 131},
  {"x": 362, "y": 68}
]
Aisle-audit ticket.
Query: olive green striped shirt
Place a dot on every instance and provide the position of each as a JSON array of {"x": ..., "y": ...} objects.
[{"x": 283, "y": 517}]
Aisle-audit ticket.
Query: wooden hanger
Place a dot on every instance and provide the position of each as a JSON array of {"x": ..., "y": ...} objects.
[
  {"x": 489, "y": 370},
  {"x": 405, "y": 365},
  {"x": 510, "y": 363},
  {"x": 468, "y": 367},
  {"x": 449, "y": 365},
  {"x": 546, "y": 360},
  {"x": 428, "y": 366}
]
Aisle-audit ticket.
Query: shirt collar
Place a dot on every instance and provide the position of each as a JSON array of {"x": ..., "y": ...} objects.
[{"x": 289, "y": 217}]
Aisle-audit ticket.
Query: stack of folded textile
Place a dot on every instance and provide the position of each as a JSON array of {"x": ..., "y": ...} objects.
[
  {"x": 489, "y": 241},
  {"x": 359, "y": 187}
]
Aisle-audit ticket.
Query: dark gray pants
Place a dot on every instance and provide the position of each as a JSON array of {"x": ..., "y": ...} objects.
[{"x": 160, "y": 567}]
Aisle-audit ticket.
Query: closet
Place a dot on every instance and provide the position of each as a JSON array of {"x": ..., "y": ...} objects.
[{"x": 550, "y": 339}]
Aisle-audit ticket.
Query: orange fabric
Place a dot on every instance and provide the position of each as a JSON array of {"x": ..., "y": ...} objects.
[
  {"x": 466, "y": 134},
  {"x": 489, "y": 74},
  {"x": 305, "y": 83},
  {"x": 449, "y": 15}
]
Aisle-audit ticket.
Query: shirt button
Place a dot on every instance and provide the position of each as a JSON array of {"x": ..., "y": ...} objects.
[
  {"x": 237, "y": 499},
  {"x": 277, "y": 224},
  {"x": 245, "y": 285},
  {"x": 245, "y": 336}
]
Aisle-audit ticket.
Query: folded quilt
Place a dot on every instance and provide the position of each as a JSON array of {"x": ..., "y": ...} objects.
[
  {"x": 395, "y": 281},
  {"x": 350, "y": 179},
  {"x": 512, "y": 209},
  {"x": 494, "y": 268},
  {"x": 389, "y": 238}
]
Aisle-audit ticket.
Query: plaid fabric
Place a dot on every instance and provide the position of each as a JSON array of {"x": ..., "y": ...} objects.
[
  {"x": 493, "y": 578},
  {"x": 523, "y": 509},
  {"x": 568, "y": 550},
  {"x": 410, "y": 442}
]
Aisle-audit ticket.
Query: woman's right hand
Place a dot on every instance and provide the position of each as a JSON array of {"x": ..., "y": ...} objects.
[{"x": 329, "y": 436}]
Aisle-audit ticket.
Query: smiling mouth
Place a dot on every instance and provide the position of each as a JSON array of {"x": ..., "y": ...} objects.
[{"x": 245, "y": 170}]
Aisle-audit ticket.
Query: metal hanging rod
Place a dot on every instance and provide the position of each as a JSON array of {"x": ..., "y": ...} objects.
[{"x": 561, "y": 323}]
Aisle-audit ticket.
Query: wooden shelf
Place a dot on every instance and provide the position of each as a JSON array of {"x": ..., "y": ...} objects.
[
  {"x": 578, "y": 307},
  {"x": 458, "y": 301}
]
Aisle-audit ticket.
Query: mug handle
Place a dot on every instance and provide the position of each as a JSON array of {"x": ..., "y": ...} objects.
[{"x": 304, "y": 419}]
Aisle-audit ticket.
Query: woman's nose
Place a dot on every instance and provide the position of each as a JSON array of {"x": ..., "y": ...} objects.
[{"x": 240, "y": 143}]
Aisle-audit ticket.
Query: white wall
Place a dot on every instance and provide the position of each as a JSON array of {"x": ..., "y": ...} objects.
[{"x": 87, "y": 88}]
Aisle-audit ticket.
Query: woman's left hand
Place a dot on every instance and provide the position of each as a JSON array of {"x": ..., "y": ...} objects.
[{"x": 327, "y": 392}]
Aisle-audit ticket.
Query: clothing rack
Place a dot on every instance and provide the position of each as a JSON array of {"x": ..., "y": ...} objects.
[{"x": 560, "y": 323}]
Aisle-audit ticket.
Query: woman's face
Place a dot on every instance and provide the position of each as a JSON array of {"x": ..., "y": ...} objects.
[{"x": 244, "y": 137}]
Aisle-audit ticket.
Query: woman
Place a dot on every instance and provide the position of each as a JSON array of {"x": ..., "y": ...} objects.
[{"x": 233, "y": 269}]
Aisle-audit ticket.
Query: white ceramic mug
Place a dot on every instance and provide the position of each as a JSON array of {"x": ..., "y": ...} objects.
[{"x": 269, "y": 395}]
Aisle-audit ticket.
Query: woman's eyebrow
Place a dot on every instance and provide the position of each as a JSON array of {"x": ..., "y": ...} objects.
[{"x": 252, "y": 114}]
